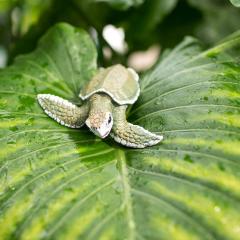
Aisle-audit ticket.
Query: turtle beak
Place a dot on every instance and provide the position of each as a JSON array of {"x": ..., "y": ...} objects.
[{"x": 101, "y": 132}]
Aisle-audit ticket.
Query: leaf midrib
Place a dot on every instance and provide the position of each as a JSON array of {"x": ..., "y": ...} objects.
[{"x": 127, "y": 199}]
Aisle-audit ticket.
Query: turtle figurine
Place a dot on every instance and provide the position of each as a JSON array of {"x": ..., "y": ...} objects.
[{"x": 105, "y": 100}]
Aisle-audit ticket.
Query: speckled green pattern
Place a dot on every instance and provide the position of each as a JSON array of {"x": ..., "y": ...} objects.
[{"x": 61, "y": 183}]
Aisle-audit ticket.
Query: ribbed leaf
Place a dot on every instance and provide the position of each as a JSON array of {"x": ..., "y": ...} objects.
[{"x": 60, "y": 183}]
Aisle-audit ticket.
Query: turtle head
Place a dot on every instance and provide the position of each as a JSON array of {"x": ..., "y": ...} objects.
[{"x": 100, "y": 123}]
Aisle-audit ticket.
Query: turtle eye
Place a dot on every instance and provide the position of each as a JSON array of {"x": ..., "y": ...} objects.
[{"x": 109, "y": 119}]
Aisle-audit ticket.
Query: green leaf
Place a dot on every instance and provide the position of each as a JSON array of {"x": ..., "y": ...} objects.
[
  {"x": 218, "y": 20},
  {"x": 61, "y": 183},
  {"x": 122, "y": 4},
  {"x": 26, "y": 13},
  {"x": 5, "y": 5},
  {"x": 235, "y": 2},
  {"x": 31, "y": 13}
]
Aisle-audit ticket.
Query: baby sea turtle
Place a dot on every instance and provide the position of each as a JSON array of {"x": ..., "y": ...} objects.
[{"x": 105, "y": 100}]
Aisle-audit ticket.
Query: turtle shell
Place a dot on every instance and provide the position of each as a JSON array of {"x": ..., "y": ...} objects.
[{"x": 120, "y": 83}]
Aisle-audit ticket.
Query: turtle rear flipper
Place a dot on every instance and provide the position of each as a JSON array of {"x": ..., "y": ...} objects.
[
  {"x": 63, "y": 111},
  {"x": 129, "y": 134}
]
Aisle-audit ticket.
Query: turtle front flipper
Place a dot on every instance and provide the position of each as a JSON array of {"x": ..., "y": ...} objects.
[
  {"x": 129, "y": 134},
  {"x": 63, "y": 111}
]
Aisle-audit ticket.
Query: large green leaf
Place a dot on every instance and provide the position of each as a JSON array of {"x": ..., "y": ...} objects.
[{"x": 60, "y": 183}]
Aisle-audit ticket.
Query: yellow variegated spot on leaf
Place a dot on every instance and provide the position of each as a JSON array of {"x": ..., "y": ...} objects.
[
  {"x": 196, "y": 169},
  {"x": 12, "y": 123},
  {"x": 174, "y": 230},
  {"x": 232, "y": 120},
  {"x": 15, "y": 175},
  {"x": 12, "y": 148},
  {"x": 13, "y": 214},
  {"x": 108, "y": 233},
  {"x": 38, "y": 225},
  {"x": 224, "y": 93},
  {"x": 225, "y": 146},
  {"x": 218, "y": 214},
  {"x": 77, "y": 228}
]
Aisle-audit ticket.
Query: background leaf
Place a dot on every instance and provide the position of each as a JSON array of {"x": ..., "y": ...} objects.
[
  {"x": 219, "y": 20},
  {"x": 161, "y": 23},
  {"x": 60, "y": 183},
  {"x": 122, "y": 4},
  {"x": 235, "y": 3}
]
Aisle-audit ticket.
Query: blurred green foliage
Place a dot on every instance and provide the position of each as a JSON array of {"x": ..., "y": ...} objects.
[
  {"x": 146, "y": 22},
  {"x": 235, "y": 2}
]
